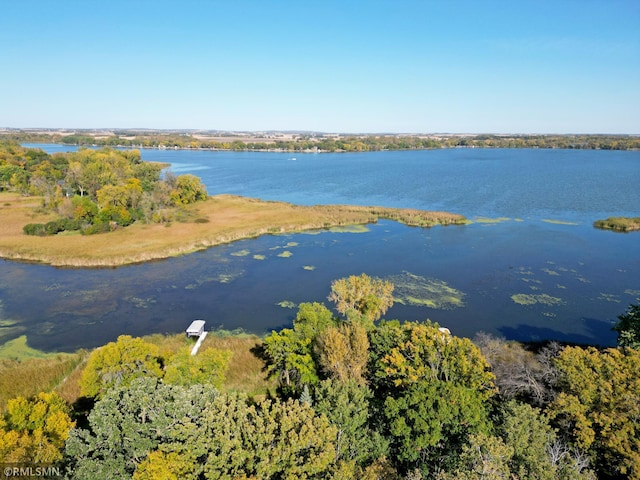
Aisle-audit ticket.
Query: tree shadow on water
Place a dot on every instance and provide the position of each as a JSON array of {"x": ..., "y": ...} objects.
[{"x": 599, "y": 333}]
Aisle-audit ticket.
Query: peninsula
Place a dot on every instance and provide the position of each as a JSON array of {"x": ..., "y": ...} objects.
[{"x": 217, "y": 220}]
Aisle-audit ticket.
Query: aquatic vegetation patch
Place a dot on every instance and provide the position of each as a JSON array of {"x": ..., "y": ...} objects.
[
  {"x": 635, "y": 293},
  {"x": 415, "y": 290},
  {"x": 292, "y": 244},
  {"x": 259, "y": 257},
  {"x": 490, "y": 220},
  {"x": 286, "y": 304},
  {"x": 608, "y": 297},
  {"x": 241, "y": 253},
  {"x": 559, "y": 222},
  {"x": 350, "y": 229},
  {"x": 285, "y": 254},
  {"x": 550, "y": 272},
  {"x": 18, "y": 349},
  {"x": 221, "y": 277},
  {"x": 532, "y": 299},
  {"x": 309, "y": 267},
  {"x": 141, "y": 302}
]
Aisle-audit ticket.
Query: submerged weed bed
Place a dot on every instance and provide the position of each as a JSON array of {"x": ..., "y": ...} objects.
[{"x": 411, "y": 289}]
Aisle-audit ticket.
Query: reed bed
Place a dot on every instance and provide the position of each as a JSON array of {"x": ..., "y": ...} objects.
[
  {"x": 30, "y": 376},
  {"x": 220, "y": 219}
]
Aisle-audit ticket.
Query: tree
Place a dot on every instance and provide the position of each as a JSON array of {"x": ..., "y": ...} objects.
[
  {"x": 520, "y": 373},
  {"x": 290, "y": 352},
  {"x": 406, "y": 354},
  {"x": 369, "y": 296},
  {"x": 599, "y": 406},
  {"x": 343, "y": 352},
  {"x": 289, "y": 360},
  {"x": 119, "y": 363},
  {"x": 628, "y": 327},
  {"x": 130, "y": 422},
  {"x": 346, "y": 405},
  {"x": 269, "y": 440},
  {"x": 430, "y": 421},
  {"x": 34, "y": 430},
  {"x": 433, "y": 389},
  {"x": 188, "y": 189},
  {"x": 484, "y": 457},
  {"x": 207, "y": 367}
]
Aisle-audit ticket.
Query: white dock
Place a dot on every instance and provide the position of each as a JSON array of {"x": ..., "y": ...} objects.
[{"x": 196, "y": 347}]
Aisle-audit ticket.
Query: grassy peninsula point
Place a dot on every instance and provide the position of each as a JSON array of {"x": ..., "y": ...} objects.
[{"x": 217, "y": 220}]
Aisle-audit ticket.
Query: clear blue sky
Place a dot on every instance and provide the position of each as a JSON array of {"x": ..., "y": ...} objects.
[{"x": 516, "y": 66}]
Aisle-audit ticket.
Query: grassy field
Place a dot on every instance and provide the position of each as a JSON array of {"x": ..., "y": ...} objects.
[{"x": 220, "y": 219}]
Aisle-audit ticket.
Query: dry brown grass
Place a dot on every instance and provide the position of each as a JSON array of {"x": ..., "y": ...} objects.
[
  {"x": 30, "y": 376},
  {"x": 220, "y": 219}
]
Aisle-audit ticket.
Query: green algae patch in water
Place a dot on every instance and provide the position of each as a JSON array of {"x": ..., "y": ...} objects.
[
  {"x": 18, "y": 349},
  {"x": 532, "y": 299},
  {"x": 292, "y": 244},
  {"x": 240, "y": 253},
  {"x": 309, "y": 268},
  {"x": 286, "y": 304},
  {"x": 285, "y": 254},
  {"x": 259, "y": 257},
  {"x": 419, "y": 291}
]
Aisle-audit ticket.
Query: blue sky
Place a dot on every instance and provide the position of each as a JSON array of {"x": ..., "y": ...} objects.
[{"x": 518, "y": 66}]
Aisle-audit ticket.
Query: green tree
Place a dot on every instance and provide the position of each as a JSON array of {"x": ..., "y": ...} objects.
[
  {"x": 485, "y": 457},
  {"x": 119, "y": 363},
  {"x": 628, "y": 327},
  {"x": 369, "y": 296},
  {"x": 290, "y": 352},
  {"x": 209, "y": 366},
  {"x": 599, "y": 406},
  {"x": 129, "y": 422},
  {"x": 346, "y": 405},
  {"x": 289, "y": 360},
  {"x": 430, "y": 421}
]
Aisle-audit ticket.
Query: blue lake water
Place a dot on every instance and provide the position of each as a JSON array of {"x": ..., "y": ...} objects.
[{"x": 542, "y": 272}]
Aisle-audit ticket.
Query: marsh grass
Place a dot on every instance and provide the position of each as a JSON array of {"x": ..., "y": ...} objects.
[
  {"x": 230, "y": 218},
  {"x": 619, "y": 224},
  {"x": 30, "y": 376}
]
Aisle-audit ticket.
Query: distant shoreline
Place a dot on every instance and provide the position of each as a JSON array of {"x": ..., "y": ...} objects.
[{"x": 309, "y": 142}]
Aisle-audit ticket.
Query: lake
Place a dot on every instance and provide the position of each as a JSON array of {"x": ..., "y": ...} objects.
[{"x": 530, "y": 267}]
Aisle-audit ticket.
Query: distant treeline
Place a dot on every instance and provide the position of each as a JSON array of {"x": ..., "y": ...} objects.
[{"x": 355, "y": 143}]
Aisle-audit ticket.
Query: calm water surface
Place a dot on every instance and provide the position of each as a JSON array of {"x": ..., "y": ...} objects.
[{"x": 541, "y": 272}]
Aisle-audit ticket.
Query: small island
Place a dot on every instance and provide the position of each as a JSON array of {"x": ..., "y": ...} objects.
[{"x": 619, "y": 224}]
